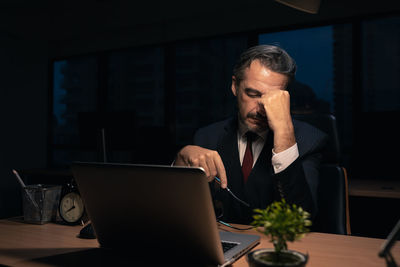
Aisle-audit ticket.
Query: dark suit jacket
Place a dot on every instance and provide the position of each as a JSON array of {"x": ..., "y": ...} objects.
[{"x": 297, "y": 183}]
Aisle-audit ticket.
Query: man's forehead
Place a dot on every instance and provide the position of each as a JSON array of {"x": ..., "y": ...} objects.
[
  {"x": 257, "y": 68},
  {"x": 263, "y": 86}
]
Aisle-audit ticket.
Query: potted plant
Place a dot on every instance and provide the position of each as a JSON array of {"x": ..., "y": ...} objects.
[{"x": 281, "y": 222}]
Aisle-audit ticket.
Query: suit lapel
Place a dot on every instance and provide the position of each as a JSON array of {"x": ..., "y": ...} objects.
[
  {"x": 259, "y": 181},
  {"x": 228, "y": 150}
]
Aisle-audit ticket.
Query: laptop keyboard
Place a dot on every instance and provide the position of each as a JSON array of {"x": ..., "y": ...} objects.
[{"x": 228, "y": 245}]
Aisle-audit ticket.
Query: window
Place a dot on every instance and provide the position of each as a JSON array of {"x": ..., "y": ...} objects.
[
  {"x": 312, "y": 50},
  {"x": 127, "y": 101},
  {"x": 376, "y": 133},
  {"x": 203, "y": 77},
  {"x": 75, "y": 91},
  {"x": 158, "y": 96},
  {"x": 381, "y": 65},
  {"x": 136, "y": 83},
  {"x": 324, "y": 73},
  {"x": 135, "y": 104}
]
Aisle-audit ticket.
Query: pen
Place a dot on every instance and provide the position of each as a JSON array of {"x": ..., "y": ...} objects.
[
  {"x": 19, "y": 178},
  {"x": 24, "y": 187}
]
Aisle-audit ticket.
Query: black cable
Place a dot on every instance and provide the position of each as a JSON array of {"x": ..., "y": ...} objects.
[
  {"x": 232, "y": 194},
  {"x": 234, "y": 227},
  {"x": 238, "y": 199}
]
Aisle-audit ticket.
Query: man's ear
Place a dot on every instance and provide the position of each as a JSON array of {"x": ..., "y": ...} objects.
[{"x": 233, "y": 86}]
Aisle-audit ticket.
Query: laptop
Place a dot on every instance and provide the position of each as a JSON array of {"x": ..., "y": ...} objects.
[{"x": 166, "y": 210}]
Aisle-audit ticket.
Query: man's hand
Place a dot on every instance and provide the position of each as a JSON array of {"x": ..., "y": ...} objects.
[
  {"x": 209, "y": 160},
  {"x": 276, "y": 104}
]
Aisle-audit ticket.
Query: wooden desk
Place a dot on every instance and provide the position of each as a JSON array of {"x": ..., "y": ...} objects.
[
  {"x": 380, "y": 195},
  {"x": 23, "y": 244},
  {"x": 374, "y": 188}
]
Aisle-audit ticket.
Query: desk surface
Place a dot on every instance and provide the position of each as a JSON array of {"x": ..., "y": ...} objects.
[
  {"x": 374, "y": 188},
  {"x": 23, "y": 244}
]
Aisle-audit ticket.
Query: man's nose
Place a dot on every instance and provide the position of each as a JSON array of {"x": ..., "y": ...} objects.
[{"x": 260, "y": 109}]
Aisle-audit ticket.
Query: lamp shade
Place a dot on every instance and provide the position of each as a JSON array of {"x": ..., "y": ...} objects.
[{"x": 309, "y": 6}]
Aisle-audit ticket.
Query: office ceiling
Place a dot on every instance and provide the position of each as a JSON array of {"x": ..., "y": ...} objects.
[{"x": 75, "y": 19}]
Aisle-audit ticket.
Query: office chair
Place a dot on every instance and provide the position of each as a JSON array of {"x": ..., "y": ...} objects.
[
  {"x": 333, "y": 211},
  {"x": 333, "y": 201}
]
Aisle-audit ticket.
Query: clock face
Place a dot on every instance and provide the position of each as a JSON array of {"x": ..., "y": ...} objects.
[{"x": 71, "y": 207}]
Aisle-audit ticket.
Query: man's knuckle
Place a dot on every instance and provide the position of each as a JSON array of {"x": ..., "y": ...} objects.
[
  {"x": 210, "y": 154},
  {"x": 193, "y": 161}
]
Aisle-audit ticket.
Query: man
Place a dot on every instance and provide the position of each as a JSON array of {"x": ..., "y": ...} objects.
[{"x": 261, "y": 154}]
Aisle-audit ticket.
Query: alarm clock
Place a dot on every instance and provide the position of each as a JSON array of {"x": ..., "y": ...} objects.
[{"x": 71, "y": 208}]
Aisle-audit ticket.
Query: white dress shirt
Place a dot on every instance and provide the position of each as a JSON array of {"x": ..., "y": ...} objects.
[{"x": 280, "y": 161}]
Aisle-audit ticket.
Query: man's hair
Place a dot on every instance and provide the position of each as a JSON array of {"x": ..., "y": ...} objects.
[{"x": 270, "y": 56}]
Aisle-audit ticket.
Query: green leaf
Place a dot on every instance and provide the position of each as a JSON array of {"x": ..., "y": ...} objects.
[{"x": 282, "y": 222}]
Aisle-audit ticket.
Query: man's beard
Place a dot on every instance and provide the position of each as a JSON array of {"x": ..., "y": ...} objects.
[{"x": 257, "y": 128}]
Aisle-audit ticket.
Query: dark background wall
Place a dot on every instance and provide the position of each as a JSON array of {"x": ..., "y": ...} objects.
[
  {"x": 32, "y": 33},
  {"x": 101, "y": 25}
]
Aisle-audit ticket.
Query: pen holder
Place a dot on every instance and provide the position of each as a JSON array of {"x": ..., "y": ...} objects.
[{"x": 40, "y": 203}]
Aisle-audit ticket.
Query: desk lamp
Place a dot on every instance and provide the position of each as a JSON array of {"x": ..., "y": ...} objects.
[{"x": 309, "y": 6}]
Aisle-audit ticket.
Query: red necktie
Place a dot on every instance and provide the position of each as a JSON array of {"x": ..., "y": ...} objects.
[{"x": 247, "y": 164}]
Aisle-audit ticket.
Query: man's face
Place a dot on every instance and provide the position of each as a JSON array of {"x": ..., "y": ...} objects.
[{"x": 258, "y": 80}]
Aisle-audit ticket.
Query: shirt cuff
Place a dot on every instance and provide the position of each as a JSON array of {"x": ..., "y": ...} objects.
[{"x": 281, "y": 160}]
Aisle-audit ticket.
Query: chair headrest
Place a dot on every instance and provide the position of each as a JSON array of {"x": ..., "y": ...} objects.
[{"x": 327, "y": 124}]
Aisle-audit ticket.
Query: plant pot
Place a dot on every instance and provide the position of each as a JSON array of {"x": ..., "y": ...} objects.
[{"x": 268, "y": 257}]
